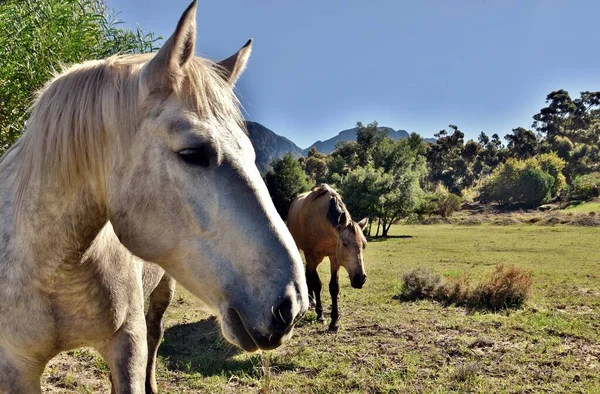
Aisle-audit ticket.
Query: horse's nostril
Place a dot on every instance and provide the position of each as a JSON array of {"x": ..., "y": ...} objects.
[
  {"x": 358, "y": 280},
  {"x": 283, "y": 316}
]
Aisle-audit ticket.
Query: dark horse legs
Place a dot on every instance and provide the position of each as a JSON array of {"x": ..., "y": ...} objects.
[
  {"x": 314, "y": 287},
  {"x": 334, "y": 290},
  {"x": 314, "y": 282}
]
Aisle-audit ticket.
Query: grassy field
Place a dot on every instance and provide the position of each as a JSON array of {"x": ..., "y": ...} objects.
[
  {"x": 388, "y": 346},
  {"x": 585, "y": 207}
]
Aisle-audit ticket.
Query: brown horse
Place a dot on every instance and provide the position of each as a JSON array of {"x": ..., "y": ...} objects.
[{"x": 322, "y": 226}]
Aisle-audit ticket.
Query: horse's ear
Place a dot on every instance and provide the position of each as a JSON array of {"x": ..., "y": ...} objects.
[
  {"x": 235, "y": 64},
  {"x": 363, "y": 223},
  {"x": 165, "y": 68},
  {"x": 342, "y": 221}
]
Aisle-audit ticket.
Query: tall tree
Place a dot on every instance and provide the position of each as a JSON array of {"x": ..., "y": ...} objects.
[
  {"x": 522, "y": 143},
  {"x": 285, "y": 182},
  {"x": 315, "y": 166}
]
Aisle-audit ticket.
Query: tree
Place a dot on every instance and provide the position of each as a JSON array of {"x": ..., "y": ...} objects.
[
  {"x": 531, "y": 182},
  {"x": 285, "y": 182},
  {"x": 37, "y": 37},
  {"x": 362, "y": 189},
  {"x": 446, "y": 162},
  {"x": 342, "y": 160},
  {"x": 556, "y": 118},
  {"x": 390, "y": 187},
  {"x": 522, "y": 143},
  {"x": 315, "y": 166},
  {"x": 367, "y": 138}
]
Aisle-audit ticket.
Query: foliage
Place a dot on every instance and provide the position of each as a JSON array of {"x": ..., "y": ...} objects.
[
  {"x": 585, "y": 187},
  {"x": 285, "y": 182},
  {"x": 440, "y": 202},
  {"x": 38, "y": 37},
  {"x": 362, "y": 190},
  {"x": 531, "y": 182},
  {"x": 506, "y": 287},
  {"x": 449, "y": 205},
  {"x": 522, "y": 143},
  {"x": 315, "y": 166},
  {"x": 419, "y": 284},
  {"x": 388, "y": 185},
  {"x": 552, "y": 164}
]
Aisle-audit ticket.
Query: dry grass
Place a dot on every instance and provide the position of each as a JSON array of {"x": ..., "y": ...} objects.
[
  {"x": 507, "y": 287},
  {"x": 420, "y": 284}
]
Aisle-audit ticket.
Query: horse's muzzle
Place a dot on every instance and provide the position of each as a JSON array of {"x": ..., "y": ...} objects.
[
  {"x": 358, "y": 281},
  {"x": 282, "y": 323}
]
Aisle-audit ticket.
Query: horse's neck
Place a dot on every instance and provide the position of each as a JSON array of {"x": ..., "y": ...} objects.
[{"x": 53, "y": 228}]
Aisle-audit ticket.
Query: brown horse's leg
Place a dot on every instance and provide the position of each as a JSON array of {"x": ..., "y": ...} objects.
[
  {"x": 334, "y": 290},
  {"x": 160, "y": 299},
  {"x": 314, "y": 283}
]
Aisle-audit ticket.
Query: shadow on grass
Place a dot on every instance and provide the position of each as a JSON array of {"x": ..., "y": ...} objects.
[
  {"x": 381, "y": 239},
  {"x": 200, "y": 348}
]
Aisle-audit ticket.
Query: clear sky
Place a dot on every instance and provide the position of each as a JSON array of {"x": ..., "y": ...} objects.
[{"x": 318, "y": 66}]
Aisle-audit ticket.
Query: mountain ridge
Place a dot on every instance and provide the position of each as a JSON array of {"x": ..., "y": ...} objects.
[{"x": 269, "y": 145}]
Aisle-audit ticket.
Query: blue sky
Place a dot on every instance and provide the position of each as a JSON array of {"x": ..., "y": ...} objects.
[{"x": 318, "y": 66}]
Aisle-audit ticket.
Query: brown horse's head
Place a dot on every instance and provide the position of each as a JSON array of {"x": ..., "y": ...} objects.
[{"x": 350, "y": 248}]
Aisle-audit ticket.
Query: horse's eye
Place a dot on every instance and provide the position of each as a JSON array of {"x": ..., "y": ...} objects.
[
  {"x": 345, "y": 244},
  {"x": 195, "y": 156}
]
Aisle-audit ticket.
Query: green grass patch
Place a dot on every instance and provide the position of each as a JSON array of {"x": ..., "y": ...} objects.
[{"x": 552, "y": 344}]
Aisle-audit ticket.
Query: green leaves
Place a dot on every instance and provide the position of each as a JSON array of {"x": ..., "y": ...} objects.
[
  {"x": 285, "y": 181},
  {"x": 38, "y": 38}
]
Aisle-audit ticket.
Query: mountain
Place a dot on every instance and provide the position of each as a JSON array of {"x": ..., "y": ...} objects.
[
  {"x": 269, "y": 146},
  {"x": 328, "y": 146}
]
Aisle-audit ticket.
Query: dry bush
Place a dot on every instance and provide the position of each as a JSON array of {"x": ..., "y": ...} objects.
[
  {"x": 471, "y": 221},
  {"x": 507, "y": 287},
  {"x": 455, "y": 291},
  {"x": 419, "y": 284},
  {"x": 585, "y": 220},
  {"x": 506, "y": 220}
]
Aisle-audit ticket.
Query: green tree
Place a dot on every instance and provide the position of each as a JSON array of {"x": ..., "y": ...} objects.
[
  {"x": 315, "y": 166},
  {"x": 388, "y": 189},
  {"x": 367, "y": 138},
  {"x": 37, "y": 37},
  {"x": 447, "y": 161},
  {"x": 285, "y": 181},
  {"x": 522, "y": 143},
  {"x": 530, "y": 182}
]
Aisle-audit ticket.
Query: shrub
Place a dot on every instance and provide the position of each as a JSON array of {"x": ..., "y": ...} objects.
[
  {"x": 469, "y": 195},
  {"x": 585, "y": 187},
  {"x": 506, "y": 288},
  {"x": 419, "y": 284},
  {"x": 449, "y": 205},
  {"x": 532, "y": 182},
  {"x": 456, "y": 291},
  {"x": 534, "y": 186},
  {"x": 440, "y": 202}
]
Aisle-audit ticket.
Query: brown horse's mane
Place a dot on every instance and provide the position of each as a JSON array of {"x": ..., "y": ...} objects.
[{"x": 336, "y": 205}]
